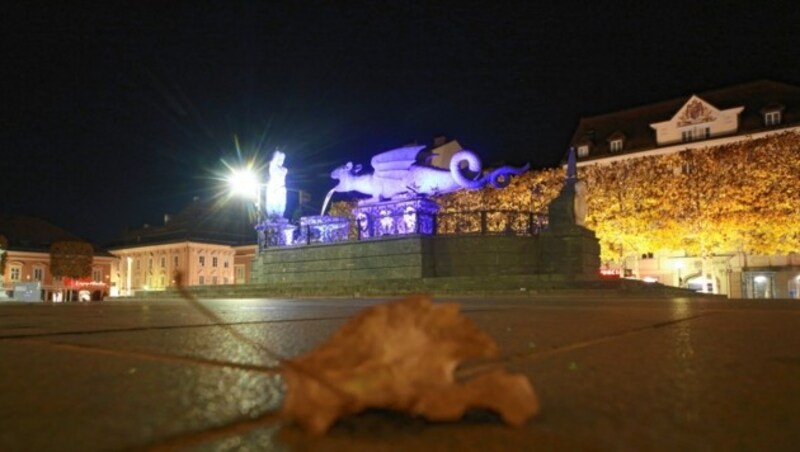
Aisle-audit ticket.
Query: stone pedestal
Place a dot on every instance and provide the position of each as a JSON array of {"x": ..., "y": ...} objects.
[
  {"x": 275, "y": 232},
  {"x": 322, "y": 229},
  {"x": 393, "y": 218},
  {"x": 572, "y": 251}
]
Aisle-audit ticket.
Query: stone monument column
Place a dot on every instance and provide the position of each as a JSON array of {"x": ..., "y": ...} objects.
[{"x": 567, "y": 246}]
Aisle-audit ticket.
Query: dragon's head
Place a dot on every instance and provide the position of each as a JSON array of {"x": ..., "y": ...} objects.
[
  {"x": 345, "y": 170},
  {"x": 340, "y": 172}
]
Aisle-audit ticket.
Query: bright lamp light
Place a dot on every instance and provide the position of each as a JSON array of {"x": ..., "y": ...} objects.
[{"x": 244, "y": 182}]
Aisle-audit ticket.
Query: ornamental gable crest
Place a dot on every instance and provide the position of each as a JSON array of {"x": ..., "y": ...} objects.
[{"x": 695, "y": 111}]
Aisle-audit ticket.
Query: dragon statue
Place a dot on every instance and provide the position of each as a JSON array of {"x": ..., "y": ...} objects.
[{"x": 399, "y": 173}]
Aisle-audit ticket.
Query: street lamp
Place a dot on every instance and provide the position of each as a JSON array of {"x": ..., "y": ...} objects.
[{"x": 246, "y": 182}]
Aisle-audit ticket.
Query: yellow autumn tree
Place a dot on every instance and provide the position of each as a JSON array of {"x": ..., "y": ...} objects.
[{"x": 740, "y": 197}]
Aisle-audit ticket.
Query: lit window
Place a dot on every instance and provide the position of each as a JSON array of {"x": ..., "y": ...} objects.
[
  {"x": 616, "y": 145},
  {"x": 15, "y": 273},
  {"x": 583, "y": 151},
  {"x": 696, "y": 134},
  {"x": 772, "y": 118},
  {"x": 97, "y": 275}
]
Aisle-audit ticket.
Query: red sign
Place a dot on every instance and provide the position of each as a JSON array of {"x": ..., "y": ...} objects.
[{"x": 83, "y": 283}]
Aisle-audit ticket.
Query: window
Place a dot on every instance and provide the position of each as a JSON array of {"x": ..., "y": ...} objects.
[
  {"x": 214, "y": 261},
  {"x": 696, "y": 134},
  {"x": 239, "y": 270},
  {"x": 150, "y": 263},
  {"x": 97, "y": 275},
  {"x": 38, "y": 273},
  {"x": 163, "y": 280},
  {"x": 616, "y": 145},
  {"x": 225, "y": 263},
  {"x": 772, "y": 118},
  {"x": 201, "y": 280},
  {"x": 175, "y": 261},
  {"x": 163, "y": 261},
  {"x": 15, "y": 273},
  {"x": 583, "y": 151},
  {"x": 202, "y": 261},
  {"x": 214, "y": 280},
  {"x": 137, "y": 264}
]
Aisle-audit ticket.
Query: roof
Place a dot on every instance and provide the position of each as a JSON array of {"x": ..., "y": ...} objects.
[
  {"x": 635, "y": 123},
  {"x": 206, "y": 221},
  {"x": 26, "y": 233}
]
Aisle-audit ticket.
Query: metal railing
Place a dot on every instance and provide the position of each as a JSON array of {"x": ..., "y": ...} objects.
[{"x": 482, "y": 222}]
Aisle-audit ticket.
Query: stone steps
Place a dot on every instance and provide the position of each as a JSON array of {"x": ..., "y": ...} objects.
[{"x": 512, "y": 285}]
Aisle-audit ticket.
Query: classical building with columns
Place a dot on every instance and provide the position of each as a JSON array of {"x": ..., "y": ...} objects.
[{"x": 703, "y": 120}]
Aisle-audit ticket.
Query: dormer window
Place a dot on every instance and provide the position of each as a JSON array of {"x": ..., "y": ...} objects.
[
  {"x": 772, "y": 118},
  {"x": 696, "y": 133},
  {"x": 583, "y": 150},
  {"x": 616, "y": 142}
]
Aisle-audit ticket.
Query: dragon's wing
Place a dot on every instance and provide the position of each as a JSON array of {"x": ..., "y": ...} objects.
[{"x": 394, "y": 164}]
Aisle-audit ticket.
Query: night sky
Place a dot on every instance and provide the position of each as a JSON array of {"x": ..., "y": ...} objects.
[{"x": 114, "y": 113}]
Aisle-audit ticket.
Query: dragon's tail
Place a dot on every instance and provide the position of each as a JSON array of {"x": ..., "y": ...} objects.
[{"x": 499, "y": 177}]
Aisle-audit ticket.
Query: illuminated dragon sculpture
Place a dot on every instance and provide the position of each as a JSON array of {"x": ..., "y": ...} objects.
[{"x": 399, "y": 174}]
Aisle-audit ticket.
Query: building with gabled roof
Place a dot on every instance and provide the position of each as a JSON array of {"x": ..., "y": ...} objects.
[{"x": 705, "y": 120}]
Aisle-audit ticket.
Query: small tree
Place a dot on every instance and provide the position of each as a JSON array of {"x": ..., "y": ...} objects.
[
  {"x": 3, "y": 251},
  {"x": 71, "y": 259}
]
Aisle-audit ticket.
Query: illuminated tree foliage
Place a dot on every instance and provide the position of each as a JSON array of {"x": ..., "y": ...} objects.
[
  {"x": 738, "y": 197},
  {"x": 507, "y": 208},
  {"x": 71, "y": 258}
]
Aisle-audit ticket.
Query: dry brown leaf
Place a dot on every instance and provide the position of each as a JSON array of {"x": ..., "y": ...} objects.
[{"x": 402, "y": 356}]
